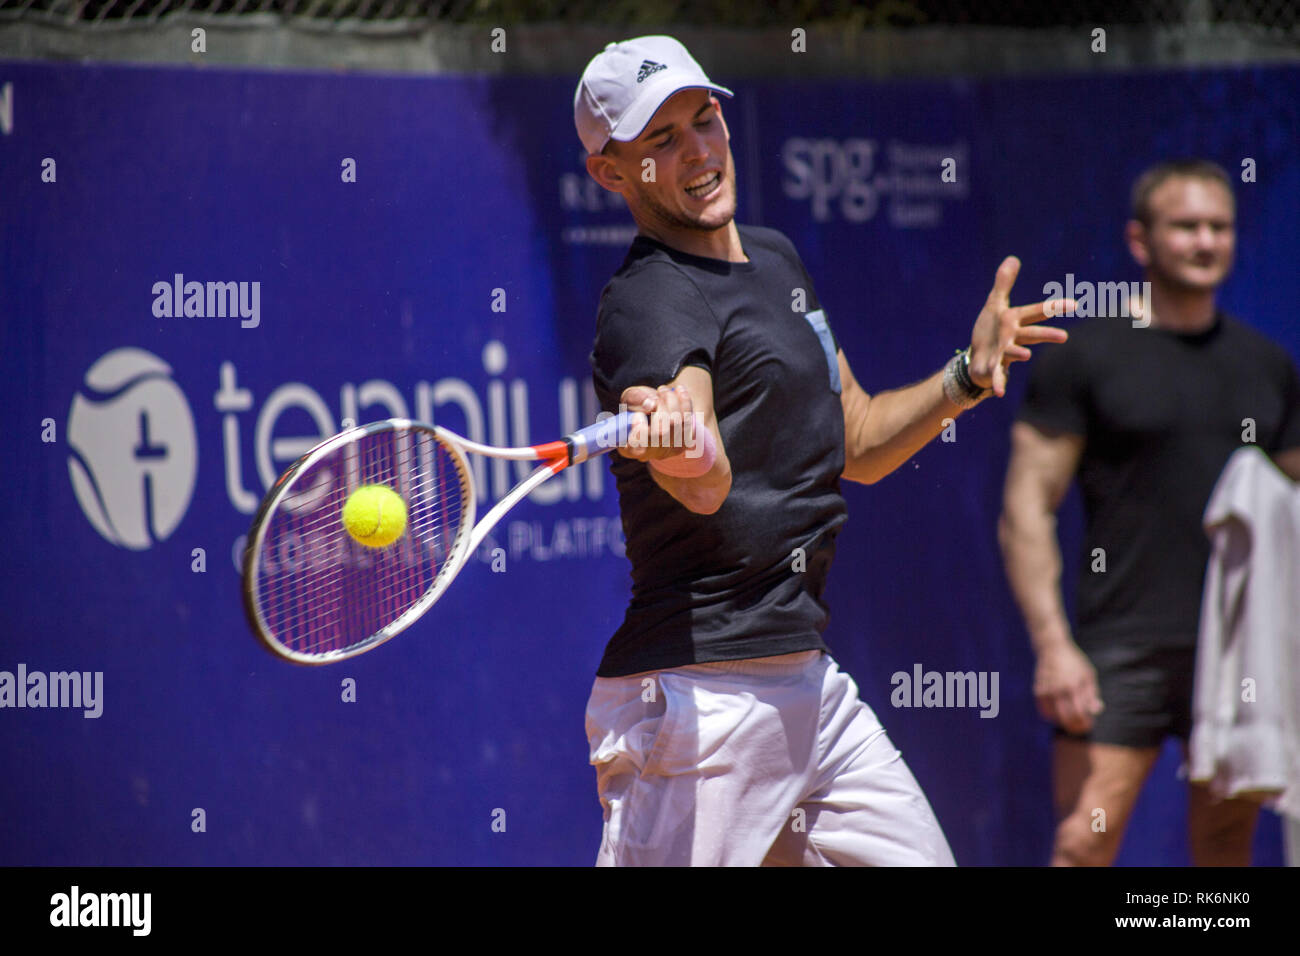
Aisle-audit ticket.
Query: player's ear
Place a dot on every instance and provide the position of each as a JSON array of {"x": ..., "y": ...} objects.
[
  {"x": 604, "y": 170},
  {"x": 1135, "y": 235}
]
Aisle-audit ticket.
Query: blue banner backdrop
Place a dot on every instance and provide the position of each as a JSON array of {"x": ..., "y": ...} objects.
[{"x": 456, "y": 280}]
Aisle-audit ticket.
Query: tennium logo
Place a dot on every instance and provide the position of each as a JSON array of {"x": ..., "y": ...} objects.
[
  {"x": 133, "y": 446},
  {"x": 133, "y": 456}
]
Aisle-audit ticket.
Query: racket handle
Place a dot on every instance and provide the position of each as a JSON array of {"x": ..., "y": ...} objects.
[{"x": 602, "y": 437}]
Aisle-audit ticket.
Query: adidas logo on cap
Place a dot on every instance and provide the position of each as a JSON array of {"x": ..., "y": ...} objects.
[{"x": 648, "y": 67}]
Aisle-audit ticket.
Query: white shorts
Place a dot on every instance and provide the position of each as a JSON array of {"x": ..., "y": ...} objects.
[{"x": 772, "y": 761}]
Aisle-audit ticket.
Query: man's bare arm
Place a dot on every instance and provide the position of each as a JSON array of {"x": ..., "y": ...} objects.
[
  {"x": 1038, "y": 476},
  {"x": 884, "y": 430},
  {"x": 1289, "y": 462}
]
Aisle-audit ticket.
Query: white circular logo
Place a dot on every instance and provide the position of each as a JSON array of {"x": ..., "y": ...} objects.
[{"x": 134, "y": 454}]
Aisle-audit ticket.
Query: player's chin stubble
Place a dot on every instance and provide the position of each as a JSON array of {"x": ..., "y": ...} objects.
[{"x": 667, "y": 217}]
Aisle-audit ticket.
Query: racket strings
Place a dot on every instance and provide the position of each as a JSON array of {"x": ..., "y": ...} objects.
[{"x": 320, "y": 591}]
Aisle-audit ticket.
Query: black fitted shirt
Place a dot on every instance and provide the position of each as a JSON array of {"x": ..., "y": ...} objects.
[
  {"x": 1160, "y": 412},
  {"x": 730, "y": 585}
]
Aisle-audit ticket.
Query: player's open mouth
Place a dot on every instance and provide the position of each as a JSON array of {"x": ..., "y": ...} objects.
[{"x": 704, "y": 186}]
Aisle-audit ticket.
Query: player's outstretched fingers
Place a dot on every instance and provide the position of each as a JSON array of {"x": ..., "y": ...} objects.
[
  {"x": 1027, "y": 333},
  {"x": 1008, "y": 329},
  {"x": 995, "y": 329},
  {"x": 1051, "y": 309},
  {"x": 1015, "y": 353},
  {"x": 1003, "y": 280}
]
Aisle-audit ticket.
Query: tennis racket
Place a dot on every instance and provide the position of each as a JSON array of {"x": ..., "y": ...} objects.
[{"x": 314, "y": 595}]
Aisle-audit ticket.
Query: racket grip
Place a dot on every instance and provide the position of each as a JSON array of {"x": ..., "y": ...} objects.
[{"x": 602, "y": 437}]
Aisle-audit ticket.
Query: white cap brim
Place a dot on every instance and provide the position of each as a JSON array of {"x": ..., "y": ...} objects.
[{"x": 638, "y": 117}]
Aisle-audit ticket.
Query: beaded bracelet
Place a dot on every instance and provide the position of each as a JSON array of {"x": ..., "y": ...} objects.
[{"x": 958, "y": 386}]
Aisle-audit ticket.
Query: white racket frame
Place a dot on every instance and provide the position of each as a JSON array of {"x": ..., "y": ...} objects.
[{"x": 468, "y": 536}]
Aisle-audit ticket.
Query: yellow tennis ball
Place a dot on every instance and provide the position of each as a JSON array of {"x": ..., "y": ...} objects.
[{"x": 375, "y": 515}]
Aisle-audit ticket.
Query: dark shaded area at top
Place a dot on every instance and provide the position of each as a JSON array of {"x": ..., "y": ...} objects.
[{"x": 848, "y": 14}]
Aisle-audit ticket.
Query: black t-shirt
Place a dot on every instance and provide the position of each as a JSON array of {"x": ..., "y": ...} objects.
[
  {"x": 730, "y": 585},
  {"x": 1161, "y": 412}
]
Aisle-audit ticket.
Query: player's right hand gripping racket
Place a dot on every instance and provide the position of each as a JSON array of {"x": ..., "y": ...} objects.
[{"x": 314, "y": 595}]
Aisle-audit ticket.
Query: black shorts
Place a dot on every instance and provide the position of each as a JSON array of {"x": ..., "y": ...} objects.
[{"x": 1147, "y": 692}]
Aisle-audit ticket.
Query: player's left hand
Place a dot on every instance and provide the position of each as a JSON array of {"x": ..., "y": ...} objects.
[{"x": 1002, "y": 333}]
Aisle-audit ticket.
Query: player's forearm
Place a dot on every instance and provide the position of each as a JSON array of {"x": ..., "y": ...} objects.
[
  {"x": 893, "y": 426},
  {"x": 1031, "y": 555},
  {"x": 704, "y": 494}
]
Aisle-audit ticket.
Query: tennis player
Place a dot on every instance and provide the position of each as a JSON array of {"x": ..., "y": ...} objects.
[{"x": 721, "y": 729}]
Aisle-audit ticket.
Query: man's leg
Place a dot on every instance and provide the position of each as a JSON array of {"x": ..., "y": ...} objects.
[
  {"x": 1146, "y": 690},
  {"x": 1096, "y": 786},
  {"x": 1221, "y": 832}
]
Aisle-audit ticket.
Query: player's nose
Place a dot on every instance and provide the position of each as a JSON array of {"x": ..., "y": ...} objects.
[{"x": 695, "y": 147}]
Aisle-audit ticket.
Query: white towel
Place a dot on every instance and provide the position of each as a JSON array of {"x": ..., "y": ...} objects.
[{"x": 1246, "y": 707}]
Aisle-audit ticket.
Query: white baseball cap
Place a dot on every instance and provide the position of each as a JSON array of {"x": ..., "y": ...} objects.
[{"x": 623, "y": 86}]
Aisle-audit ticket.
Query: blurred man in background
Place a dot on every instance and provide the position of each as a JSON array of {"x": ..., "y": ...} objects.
[{"x": 1145, "y": 414}]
